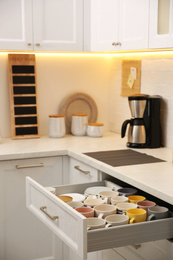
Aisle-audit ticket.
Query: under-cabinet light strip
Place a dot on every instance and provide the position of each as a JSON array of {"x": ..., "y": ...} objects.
[{"x": 160, "y": 52}]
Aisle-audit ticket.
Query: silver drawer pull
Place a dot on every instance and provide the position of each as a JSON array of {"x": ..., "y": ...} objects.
[
  {"x": 78, "y": 168},
  {"x": 47, "y": 214},
  {"x": 29, "y": 166}
]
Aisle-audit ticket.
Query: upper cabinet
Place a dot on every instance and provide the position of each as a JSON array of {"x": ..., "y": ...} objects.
[
  {"x": 41, "y": 25},
  {"x": 85, "y": 25},
  {"x": 161, "y": 24},
  {"x": 16, "y": 25},
  {"x": 116, "y": 25}
]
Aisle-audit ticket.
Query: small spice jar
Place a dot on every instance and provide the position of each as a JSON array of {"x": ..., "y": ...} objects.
[
  {"x": 95, "y": 129},
  {"x": 56, "y": 126},
  {"x": 79, "y": 124}
]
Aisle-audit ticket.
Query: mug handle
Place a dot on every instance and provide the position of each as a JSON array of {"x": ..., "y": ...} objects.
[
  {"x": 100, "y": 215},
  {"x": 105, "y": 200},
  {"x": 108, "y": 225},
  {"x": 132, "y": 220},
  {"x": 151, "y": 217}
]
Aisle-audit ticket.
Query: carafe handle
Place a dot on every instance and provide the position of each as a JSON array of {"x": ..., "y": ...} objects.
[{"x": 124, "y": 126}]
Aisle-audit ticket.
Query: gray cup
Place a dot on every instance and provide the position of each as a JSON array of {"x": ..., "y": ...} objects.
[
  {"x": 158, "y": 212},
  {"x": 126, "y": 191}
]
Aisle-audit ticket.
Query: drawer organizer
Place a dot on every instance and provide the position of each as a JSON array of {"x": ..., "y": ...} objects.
[
  {"x": 23, "y": 96},
  {"x": 71, "y": 226}
]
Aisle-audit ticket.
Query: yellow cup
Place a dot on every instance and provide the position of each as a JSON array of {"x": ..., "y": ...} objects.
[
  {"x": 65, "y": 198},
  {"x": 136, "y": 215},
  {"x": 136, "y": 198}
]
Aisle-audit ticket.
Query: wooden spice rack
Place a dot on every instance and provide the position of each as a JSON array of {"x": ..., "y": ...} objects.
[{"x": 23, "y": 96}]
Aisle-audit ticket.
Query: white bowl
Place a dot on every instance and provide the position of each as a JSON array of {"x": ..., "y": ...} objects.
[{"x": 95, "y": 130}]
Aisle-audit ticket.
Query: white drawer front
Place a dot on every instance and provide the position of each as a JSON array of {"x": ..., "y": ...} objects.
[
  {"x": 71, "y": 227},
  {"x": 81, "y": 172}
]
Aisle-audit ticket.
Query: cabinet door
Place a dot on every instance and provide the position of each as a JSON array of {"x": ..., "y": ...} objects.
[
  {"x": 161, "y": 24},
  {"x": 16, "y": 25},
  {"x": 22, "y": 236},
  {"x": 101, "y": 25},
  {"x": 81, "y": 172},
  {"x": 58, "y": 25},
  {"x": 133, "y": 24}
]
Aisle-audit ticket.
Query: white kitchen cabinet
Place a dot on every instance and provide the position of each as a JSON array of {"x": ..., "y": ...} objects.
[
  {"x": 41, "y": 25},
  {"x": 22, "y": 235},
  {"x": 71, "y": 226},
  {"x": 16, "y": 25},
  {"x": 81, "y": 172},
  {"x": 116, "y": 25},
  {"x": 161, "y": 24}
]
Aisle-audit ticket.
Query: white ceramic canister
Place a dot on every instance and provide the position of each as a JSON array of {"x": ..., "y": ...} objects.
[
  {"x": 56, "y": 126},
  {"x": 79, "y": 124},
  {"x": 95, "y": 130}
]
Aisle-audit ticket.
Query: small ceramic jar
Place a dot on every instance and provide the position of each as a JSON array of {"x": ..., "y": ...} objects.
[
  {"x": 95, "y": 129},
  {"x": 79, "y": 124},
  {"x": 56, "y": 126}
]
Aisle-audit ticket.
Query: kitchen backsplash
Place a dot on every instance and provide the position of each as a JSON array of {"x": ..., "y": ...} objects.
[
  {"x": 98, "y": 76},
  {"x": 156, "y": 79}
]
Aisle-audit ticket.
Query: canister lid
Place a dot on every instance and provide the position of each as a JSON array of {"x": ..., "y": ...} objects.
[
  {"x": 79, "y": 114},
  {"x": 56, "y": 115},
  {"x": 95, "y": 124}
]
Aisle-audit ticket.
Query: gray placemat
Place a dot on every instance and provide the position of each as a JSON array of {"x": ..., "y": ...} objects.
[{"x": 117, "y": 158}]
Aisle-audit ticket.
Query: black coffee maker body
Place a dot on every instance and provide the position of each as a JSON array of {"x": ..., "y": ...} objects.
[{"x": 144, "y": 127}]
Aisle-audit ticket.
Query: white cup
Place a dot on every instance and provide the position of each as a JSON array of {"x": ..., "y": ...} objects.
[
  {"x": 75, "y": 204},
  {"x": 91, "y": 202},
  {"x": 116, "y": 220},
  {"x": 56, "y": 126},
  {"x": 118, "y": 199},
  {"x": 108, "y": 195},
  {"x": 122, "y": 207},
  {"x": 95, "y": 223},
  {"x": 104, "y": 210},
  {"x": 51, "y": 189},
  {"x": 79, "y": 124}
]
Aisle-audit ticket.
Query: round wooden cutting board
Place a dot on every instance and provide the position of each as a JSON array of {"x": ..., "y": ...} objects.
[{"x": 78, "y": 103}]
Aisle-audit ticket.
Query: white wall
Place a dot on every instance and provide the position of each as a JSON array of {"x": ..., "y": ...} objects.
[
  {"x": 57, "y": 77},
  {"x": 100, "y": 77},
  {"x": 156, "y": 79}
]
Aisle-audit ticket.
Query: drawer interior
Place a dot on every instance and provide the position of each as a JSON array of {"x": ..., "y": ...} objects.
[
  {"x": 118, "y": 236},
  {"x": 93, "y": 240}
]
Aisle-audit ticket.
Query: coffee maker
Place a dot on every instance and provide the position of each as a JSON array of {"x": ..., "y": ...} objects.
[{"x": 144, "y": 126}]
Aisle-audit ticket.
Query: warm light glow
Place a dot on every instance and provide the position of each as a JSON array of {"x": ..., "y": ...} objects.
[{"x": 133, "y": 53}]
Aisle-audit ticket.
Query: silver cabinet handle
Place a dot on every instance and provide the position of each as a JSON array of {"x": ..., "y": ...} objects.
[
  {"x": 78, "y": 168},
  {"x": 47, "y": 214},
  {"x": 116, "y": 43},
  {"x": 29, "y": 166}
]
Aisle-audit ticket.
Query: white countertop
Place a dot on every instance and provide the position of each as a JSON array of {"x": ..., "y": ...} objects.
[{"x": 153, "y": 178}]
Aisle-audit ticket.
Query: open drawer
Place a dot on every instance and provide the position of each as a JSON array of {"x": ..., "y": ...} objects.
[{"x": 71, "y": 226}]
